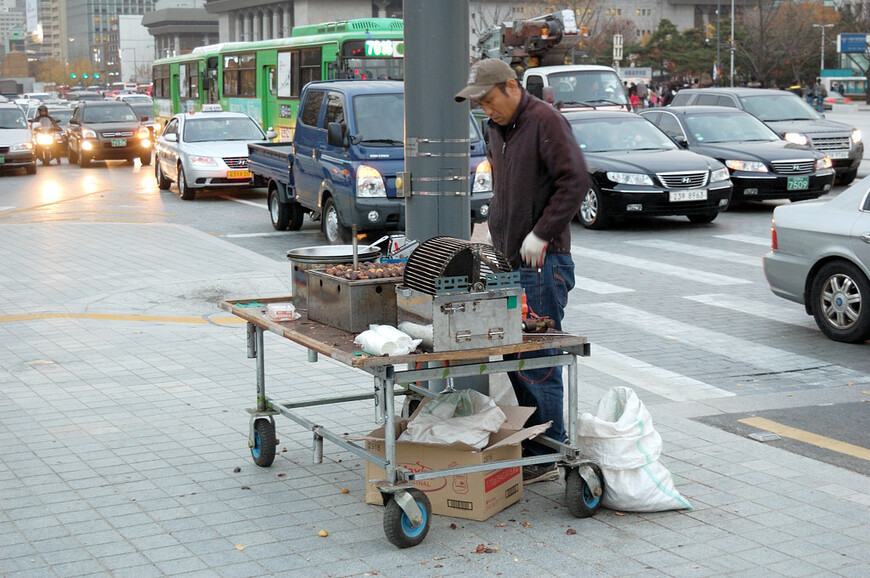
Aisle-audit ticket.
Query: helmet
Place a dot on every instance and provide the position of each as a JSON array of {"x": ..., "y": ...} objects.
[{"x": 42, "y": 109}]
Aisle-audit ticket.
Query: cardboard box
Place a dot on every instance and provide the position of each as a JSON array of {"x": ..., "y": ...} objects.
[{"x": 475, "y": 496}]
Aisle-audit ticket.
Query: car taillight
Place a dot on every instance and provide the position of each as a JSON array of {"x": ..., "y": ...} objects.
[{"x": 773, "y": 242}]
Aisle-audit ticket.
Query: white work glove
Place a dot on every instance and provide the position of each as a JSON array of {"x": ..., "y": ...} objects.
[
  {"x": 488, "y": 237},
  {"x": 533, "y": 250}
]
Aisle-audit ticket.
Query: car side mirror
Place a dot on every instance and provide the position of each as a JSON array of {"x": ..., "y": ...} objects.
[
  {"x": 548, "y": 95},
  {"x": 270, "y": 134},
  {"x": 682, "y": 141},
  {"x": 335, "y": 135},
  {"x": 171, "y": 137}
]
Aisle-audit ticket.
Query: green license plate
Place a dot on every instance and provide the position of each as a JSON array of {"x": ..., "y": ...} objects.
[
  {"x": 2, "y": 159},
  {"x": 119, "y": 142},
  {"x": 798, "y": 183}
]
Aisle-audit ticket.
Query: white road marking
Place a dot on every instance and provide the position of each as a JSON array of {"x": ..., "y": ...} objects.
[
  {"x": 764, "y": 242},
  {"x": 599, "y": 287},
  {"x": 693, "y": 275},
  {"x": 703, "y": 252},
  {"x": 6, "y": 208},
  {"x": 792, "y": 315},
  {"x": 658, "y": 380},
  {"x": 743, "y": 351},
  {"x": 269, "y": 234},
  {"x": 246, "y": 202}
]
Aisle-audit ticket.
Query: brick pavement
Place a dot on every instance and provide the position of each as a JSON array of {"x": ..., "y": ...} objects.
[{"x": 119, "y": 437}]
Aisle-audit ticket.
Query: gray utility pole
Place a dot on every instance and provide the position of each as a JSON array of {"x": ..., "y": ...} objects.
[{"x": 437, "y": 146}]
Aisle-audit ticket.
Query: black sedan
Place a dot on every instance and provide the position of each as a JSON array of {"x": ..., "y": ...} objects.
[
  {"x": 637, "y": 170},
  {"x": 763, "y": 166}
]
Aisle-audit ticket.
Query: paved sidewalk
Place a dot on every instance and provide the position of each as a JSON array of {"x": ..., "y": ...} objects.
[{"x": 123, "y": 431}]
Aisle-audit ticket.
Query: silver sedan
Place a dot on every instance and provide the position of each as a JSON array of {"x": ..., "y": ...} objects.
[
  {"x": 206, "y": 150},
  {"x": 820, "y": 256}
]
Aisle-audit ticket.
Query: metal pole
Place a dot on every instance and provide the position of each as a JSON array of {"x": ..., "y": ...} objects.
[
  {"x": 437, "y": 146},
  {"x": 732, "y": 42},
  {"x": 822, "y": 65},
  {"x": 718, "y": 40}
]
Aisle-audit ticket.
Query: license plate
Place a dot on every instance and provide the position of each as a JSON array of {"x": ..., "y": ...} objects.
[
  {"x": 238, "y": 174},
  {"x": 119, "y": 142},
  {"x": 693, "y": 195},
  {"x": 798, "y": 183},
  {"x": 839, "y": 154},
  {"x": 2, "y": 159}
]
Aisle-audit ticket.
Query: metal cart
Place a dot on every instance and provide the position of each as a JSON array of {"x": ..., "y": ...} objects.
[{"x": 408, "y": 512}]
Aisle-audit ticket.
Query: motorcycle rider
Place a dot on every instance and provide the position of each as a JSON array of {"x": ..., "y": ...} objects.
[{"x": 46, "y": 121}]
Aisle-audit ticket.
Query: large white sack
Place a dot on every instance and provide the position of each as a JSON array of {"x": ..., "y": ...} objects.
[{"x": 621, "y": 439}]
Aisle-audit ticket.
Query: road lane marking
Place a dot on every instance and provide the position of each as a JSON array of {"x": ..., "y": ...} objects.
[
  {"x": 599, "y": 287},
  {"x": 658, "y": 380},
  {"x": 269, "y": 234},
  {"x": 764, "y": 242},
  {"x": 696, "y": 251},
  {"x": 693, "y": 275},
  {"x": 745, "y": 352},
  {"x": 756, "y": 308},
  {"x": 6, "y": 208},
  {"x": 117, "y": 317},
  {"x": 808, "y": 437},
  {"x": 245, "y": 202},
  {"x": 13, "y": 210}
]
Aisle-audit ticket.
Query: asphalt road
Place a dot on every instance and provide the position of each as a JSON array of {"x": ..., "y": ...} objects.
[{"x": 680, "y": 312}]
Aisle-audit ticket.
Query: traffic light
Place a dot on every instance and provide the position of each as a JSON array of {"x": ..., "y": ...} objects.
[
  {"x": 73, "y": 76},
  {"x": 85, "y": 76},
  {"x": 96, "y": 75}
]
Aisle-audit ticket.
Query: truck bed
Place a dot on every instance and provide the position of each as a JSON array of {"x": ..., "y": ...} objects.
[{"x": 271, "y": 161}]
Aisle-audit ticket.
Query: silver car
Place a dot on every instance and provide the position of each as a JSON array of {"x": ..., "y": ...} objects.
[
  {"x": 205, "y": 150},
  {"x": 820, "y": 256}
]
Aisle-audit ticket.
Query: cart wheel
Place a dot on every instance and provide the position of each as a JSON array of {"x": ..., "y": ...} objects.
[
  {"x": 581, "y": 503},
  {"x": 398, "y": 527},
  {"x": 263, "y": 451}
]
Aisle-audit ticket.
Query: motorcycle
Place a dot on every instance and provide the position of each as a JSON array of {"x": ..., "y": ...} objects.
[{"x": 47, "y": 138}]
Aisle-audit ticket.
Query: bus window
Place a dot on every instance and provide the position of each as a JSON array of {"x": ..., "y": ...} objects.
[{"x": 240, "y": 75}]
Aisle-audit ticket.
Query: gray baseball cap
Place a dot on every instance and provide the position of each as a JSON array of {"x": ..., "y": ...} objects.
[{"x": 483, "y": 75}]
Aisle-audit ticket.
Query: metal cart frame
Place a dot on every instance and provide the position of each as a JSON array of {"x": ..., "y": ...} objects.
[{"x": 407, "y": 515}]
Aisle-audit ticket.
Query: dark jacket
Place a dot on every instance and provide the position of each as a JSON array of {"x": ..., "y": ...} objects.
[{"x": 539, "y": 179}]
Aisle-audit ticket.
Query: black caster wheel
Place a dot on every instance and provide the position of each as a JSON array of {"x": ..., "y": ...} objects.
[
  {"x": 398, "y": 528},
  {"x": 263, "y": 450},
  {"x": 578, "y": 497}
]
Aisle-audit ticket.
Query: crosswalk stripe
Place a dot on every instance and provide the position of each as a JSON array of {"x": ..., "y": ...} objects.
[
  {"x": 785, "y": 314},
  {"x": 693, "y": 275},
  {"x": 6, "y": 208},
  {"x": 703, "y": 252},
  {"x": 599, "y": 287},
  {"x": 658, "y": 380},
  {"x": 764, "y": 357},
  {"x": 764, "y": 242}
]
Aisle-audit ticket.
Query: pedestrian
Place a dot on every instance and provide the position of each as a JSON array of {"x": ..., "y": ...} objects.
[
  {"x": 539, "y": 180},
  {"x": 642, "y": 93}
]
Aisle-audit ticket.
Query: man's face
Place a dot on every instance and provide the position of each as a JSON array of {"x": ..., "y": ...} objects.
[{"x": 500, "y": 107}]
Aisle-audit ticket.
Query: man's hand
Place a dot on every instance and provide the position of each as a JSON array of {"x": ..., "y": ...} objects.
[{"x": 533, "y": 250}]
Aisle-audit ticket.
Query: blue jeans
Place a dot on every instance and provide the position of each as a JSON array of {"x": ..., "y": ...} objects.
[{"x": 547, "y": 296}]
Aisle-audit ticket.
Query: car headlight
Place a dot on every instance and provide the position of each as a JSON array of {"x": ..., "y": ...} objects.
[
  {"x": 202, "y": 161},
  {"x": 143, "y": 132},
  {"x": 796, "y": 138},
  {"x": 21, "y": 147},
  {"x": 482, "y": 178},
  {"x": 43, "y": 138},
  {"x": 719, "y": 175},
  {"x": 369, "y": 182},
  {"x": 824, "y": 163},
  {"x": 856, "y": 135},
  {"x": 747, "y": 166},
  {"x": 630, "y": 178},
  {"x": 88, "y": 133}
]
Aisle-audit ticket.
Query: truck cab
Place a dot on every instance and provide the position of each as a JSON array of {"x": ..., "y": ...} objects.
[{"x": 577, "y": 86}]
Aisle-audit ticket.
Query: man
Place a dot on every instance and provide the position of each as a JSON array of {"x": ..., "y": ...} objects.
[{"x": 539, "y": 180}]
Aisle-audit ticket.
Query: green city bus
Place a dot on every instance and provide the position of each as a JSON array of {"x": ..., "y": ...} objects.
[{"x": 264, "y": 79}]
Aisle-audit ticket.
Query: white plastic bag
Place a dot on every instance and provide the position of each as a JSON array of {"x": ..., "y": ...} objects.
[
  {"x": 621, "y": 439},
  {"x": 385, "y": 340},
  {"x": 465, "y": 416}
]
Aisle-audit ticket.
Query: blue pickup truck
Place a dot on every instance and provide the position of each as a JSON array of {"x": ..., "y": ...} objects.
[{"x": 341, "y": 166}]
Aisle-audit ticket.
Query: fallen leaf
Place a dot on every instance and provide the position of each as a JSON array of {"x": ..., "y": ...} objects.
[
  {"x": 283, "y": 450},
  {"x": 345, "y": 491},
  {"x": 237, "y": 470},
  {"x": 452, "y": 526},
  {"x": 527, "y": 524},
  {"x": 619, "y": 513},
  {"x": 246, "y": 487},
  {"x": 501, "y": 525},
  {"x": 788, "y": 395},
  {"x": 570, "y": 531},
  {"x": 239, "y": 547},
  {"x": 323, "y": 533},
  {"x": 282, "y": 475},
  {"x": 439, "y": 566}
]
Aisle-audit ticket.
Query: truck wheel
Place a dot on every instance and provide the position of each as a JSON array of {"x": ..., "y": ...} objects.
[
  {"x": 279, "y": 212},
  {"x": 297, "y": 214},
  {"x": 333, "y": 230}
]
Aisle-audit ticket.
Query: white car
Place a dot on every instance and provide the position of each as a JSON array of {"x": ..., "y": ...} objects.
[
  {"x": 205, "y": 150},
  {"x": 820, "y": 257}
]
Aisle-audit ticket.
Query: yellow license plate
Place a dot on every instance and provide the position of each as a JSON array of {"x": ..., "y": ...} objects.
[{"x": 238, "y": 174}]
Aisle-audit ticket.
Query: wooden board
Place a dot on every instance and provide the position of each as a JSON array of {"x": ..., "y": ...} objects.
[{"x": 339, "y": 344}]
